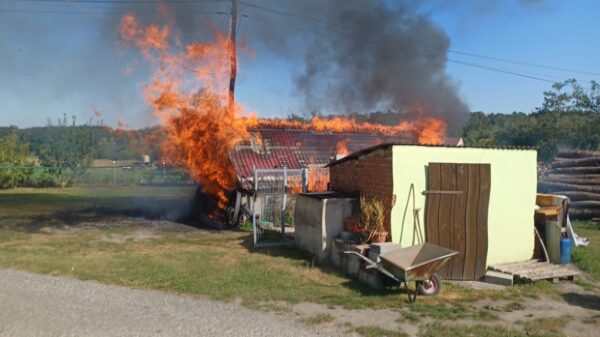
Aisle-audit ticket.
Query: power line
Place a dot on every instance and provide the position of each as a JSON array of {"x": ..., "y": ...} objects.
[
  {"x": 500, "y": 70},
  {"x": 530, "y": 64},
  {"x": 508, "y": 72},
  {"x": 523, "y": 63},
  {"x": 41, "y": 11},
  {"x": 141, "y": 2}
]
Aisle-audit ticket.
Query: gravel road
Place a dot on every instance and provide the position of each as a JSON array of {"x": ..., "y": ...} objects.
[{"x": 40, "y": 305}]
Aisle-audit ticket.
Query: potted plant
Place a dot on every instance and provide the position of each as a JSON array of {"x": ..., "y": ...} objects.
[
  {"x": 372, "y": 216},
  {"x": 353, "y": 225}
]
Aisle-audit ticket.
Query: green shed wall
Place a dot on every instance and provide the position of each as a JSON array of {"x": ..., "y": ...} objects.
[{"x": 512, "y": 195}]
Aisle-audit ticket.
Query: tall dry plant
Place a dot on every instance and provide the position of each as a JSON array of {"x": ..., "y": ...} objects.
[{"x": 372, "y": 216}]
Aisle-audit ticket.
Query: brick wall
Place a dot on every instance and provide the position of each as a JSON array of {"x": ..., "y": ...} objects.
[{"x": 370, "y": 175}]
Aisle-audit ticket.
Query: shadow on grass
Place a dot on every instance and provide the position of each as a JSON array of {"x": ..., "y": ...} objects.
[
  {"x": 298, "y": 255},
  {"x": 71, "y": 211},
  {"x": 587, "y": 301}
]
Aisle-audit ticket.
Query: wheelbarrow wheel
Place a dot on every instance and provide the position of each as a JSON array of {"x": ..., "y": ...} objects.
[{"x": 430, "y": 287}]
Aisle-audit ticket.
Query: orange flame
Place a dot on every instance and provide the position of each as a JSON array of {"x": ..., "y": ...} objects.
[
  {"x": 428, "y": 130},
  {"x": 341, "y": 148},
  {"x": 189, "y": 93}
]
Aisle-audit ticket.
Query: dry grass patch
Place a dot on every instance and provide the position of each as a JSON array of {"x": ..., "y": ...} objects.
[
  {"x": 374, "y": 331},
  {"x": 318, "y": 319}
]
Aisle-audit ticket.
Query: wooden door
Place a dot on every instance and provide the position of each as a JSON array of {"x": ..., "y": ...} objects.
[{"x": 456, "y": 216}]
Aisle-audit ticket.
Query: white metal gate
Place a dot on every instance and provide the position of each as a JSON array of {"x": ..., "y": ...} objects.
[{"x": 274, "y": 203}]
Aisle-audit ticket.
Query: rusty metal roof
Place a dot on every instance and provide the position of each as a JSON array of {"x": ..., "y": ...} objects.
[{"x": 296, "y": 149}]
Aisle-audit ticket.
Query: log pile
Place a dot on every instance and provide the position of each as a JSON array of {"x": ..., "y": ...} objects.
[{"x": 575, "y": 174}]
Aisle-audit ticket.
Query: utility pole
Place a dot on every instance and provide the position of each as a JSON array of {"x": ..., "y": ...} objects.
[{"x": 233, "y": 57}]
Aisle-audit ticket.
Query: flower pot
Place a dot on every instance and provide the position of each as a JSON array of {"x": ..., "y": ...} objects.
[
  {"x": 379, "y": 237},
  {"x": 352, "y": 225}
]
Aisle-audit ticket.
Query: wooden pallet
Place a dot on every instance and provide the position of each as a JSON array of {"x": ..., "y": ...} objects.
[{"x": 534, "y": 270}]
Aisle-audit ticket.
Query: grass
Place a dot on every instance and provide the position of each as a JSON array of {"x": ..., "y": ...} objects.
[
  {"x": 443, "y": 311},
  {"x": 588, "y": 258},
  {"x": 218, "y": 265},
  {"x": 509, "y": 307},
  {"x": 373, "y": 331},
  {"x": 19, "y": 205},
  {"x": 443, "y": 330},
  {"x": 318, "y": 319},
  {"x": 551, "y": 326}
]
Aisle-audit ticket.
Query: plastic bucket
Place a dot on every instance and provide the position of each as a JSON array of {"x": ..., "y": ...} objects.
[{"x": 565, "y": 250}]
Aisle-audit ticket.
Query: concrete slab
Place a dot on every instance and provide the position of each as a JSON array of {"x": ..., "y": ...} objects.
[{"x": 499, "y": 278}]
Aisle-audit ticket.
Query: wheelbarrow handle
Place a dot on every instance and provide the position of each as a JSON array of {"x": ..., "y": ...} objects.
[{"x": 375, "y": 265}]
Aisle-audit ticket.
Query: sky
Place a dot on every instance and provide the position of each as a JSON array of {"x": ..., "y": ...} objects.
[{"x": 66, "y": 58}]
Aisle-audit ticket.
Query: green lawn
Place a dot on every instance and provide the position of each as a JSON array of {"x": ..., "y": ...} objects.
[
  {"x": 588, "y": 258},
  {"x": 26, "y": 205},
  {"x": 219, "y": 265},
  {"x": 40, "y": 232}
]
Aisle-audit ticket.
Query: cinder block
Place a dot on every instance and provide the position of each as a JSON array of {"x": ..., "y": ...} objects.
[
  {"x": 496, "y": 277},
  {"x": 352, "y": 265}
]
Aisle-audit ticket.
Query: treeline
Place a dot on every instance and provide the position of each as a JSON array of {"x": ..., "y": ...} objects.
[
  {"x": 108, "y": 143},
  {"x": 569, "y": 117},
  {"x": 61, "y": 155}
]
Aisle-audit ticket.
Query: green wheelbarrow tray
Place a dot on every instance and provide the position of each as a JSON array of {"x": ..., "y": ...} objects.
[{"x": 417, "y": 263}]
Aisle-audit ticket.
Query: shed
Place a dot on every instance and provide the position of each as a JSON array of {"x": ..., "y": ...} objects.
[{"x": 478, "y": 201}]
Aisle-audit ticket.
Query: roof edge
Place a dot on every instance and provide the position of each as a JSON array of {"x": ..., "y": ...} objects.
[{"x": 362, "y": 152}]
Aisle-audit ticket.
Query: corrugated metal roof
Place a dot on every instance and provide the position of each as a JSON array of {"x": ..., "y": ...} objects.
[
  {"x": 296, "y": 149},
  {"x": 364, "y": 151}
]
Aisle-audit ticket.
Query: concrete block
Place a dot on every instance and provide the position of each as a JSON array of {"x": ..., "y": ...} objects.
[
  {"x": 371, "y": 278},
  {"x": 336, "y": 256},
  {"x": 496, "y": 277},
  {"x": 352, "y": 265}
]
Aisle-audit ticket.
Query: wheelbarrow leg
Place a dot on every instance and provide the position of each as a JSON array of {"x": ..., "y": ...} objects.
[{"x": 412, "y": 298}]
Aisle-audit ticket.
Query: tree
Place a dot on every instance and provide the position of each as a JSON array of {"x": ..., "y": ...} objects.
[
  {"x": 568, "y": 117},
  {"x": 68, "y": 151},
  {"x": 13, "y": 155}
]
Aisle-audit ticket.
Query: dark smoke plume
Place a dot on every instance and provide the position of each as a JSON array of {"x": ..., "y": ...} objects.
[{"x": 358, "y": 55}]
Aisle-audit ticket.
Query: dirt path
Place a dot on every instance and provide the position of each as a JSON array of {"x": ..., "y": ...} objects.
[{"x": 40, "y": 305}]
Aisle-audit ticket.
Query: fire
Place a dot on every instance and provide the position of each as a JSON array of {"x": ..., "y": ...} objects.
[
  {"x": 189, "y": 93},
  {"x": 428, "y": 130},
  {"x": 341, "y": 148}
]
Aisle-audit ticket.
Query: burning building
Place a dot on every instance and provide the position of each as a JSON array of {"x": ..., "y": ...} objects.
[{"x": 220, "y": 142}]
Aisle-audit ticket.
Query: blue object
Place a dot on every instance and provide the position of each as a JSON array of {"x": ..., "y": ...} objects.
[{"x": 565, "y": 250}]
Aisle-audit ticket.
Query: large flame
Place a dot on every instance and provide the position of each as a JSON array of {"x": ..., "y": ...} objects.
[{"x": 189, "y": 93}]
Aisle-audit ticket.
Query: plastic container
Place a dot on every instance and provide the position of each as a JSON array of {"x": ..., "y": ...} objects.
[{"x": 565, "y": 250}]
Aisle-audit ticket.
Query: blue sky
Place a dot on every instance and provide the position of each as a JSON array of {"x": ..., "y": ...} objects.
[{"x": 64, "y": 62}]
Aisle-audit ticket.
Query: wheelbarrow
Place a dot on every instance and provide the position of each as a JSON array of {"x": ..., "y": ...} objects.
[{"x": 417, "y": 263}]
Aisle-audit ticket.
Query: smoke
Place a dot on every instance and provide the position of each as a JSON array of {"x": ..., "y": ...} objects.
[
  {"x": 354, "y": 56},
  {"x": 347, "y": 55},
  {"x": 380, "y": 57}
]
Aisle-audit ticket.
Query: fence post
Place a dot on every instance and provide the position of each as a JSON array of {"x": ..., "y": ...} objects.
[
  {"x": 304, "y": 180},
  {"x": 284, "y": 201},
  {"x": 254, "y": 205}
]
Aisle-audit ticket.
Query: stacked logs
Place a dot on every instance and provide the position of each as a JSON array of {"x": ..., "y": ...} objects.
[{"x": 575, "y": 174}]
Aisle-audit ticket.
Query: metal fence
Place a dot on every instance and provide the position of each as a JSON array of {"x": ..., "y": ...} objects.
[
  {"x": 274, "y": 203},
  {"x": 38, "y": 176}
]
